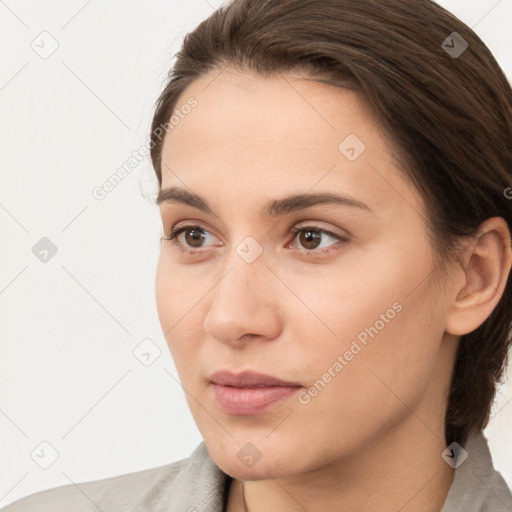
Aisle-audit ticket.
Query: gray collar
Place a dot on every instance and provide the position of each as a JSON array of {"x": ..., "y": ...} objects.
[{"x": 477, "y": 486}]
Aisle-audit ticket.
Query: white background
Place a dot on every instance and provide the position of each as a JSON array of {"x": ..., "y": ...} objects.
[{"x": 68, "y": 327}]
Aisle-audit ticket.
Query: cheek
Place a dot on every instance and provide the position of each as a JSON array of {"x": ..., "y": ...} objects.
[
  {"x": 176, "y": 292},
  {"x": 376, "y": 383},
  {"x": 176, "y": 305},
  {"x": 165, "y": 291},
  {"x": 334, "y": 303},
  {"x": 382, "y": 317}
]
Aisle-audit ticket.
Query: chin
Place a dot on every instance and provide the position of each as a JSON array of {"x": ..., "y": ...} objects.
[
  {"x": 262, "y": 470},
  {"x": 257, "y": 460}
]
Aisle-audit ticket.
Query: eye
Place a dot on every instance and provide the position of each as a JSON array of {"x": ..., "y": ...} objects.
[
  {"x": 310, "y": 237},
  {"x": 193, "y": 236}
]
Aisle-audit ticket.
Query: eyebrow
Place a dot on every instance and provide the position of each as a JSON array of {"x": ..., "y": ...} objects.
[{"x": 274, "y": 208}]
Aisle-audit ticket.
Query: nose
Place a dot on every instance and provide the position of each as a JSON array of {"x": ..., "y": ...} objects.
[{"x": 244, "y": 303}]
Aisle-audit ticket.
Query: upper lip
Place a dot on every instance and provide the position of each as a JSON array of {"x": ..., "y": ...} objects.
[{"x": 247, "y": 379}]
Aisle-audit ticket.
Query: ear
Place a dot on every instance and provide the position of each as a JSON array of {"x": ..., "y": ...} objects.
[{"x": 487, "y": 264}]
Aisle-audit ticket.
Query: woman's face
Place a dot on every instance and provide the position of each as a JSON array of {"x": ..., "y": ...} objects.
[{"x": 357, "y": 322}]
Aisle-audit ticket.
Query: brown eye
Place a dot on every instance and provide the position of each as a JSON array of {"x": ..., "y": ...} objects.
[
  {"x": 194, "y": 237},
  {"x": 189, "y": 238},
  {"x": 309, "y": 239}
]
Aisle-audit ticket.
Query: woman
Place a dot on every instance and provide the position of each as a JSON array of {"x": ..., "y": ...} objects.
[{"x": 334, "y": 277}]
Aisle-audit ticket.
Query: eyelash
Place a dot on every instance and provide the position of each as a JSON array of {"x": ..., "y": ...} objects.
[{"x": 175, "y": 232}]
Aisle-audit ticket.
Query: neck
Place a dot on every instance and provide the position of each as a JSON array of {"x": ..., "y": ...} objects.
[{"x": 402, "y": 471}]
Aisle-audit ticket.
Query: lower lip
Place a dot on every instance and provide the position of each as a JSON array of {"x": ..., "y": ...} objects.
[{"x": 246, "y": 401}]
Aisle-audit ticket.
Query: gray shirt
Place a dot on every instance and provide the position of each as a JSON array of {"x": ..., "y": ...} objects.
[{"x": 197, "y": 484}]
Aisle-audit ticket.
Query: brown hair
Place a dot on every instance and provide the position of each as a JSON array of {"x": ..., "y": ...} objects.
[{"x": 448, "y": 116}]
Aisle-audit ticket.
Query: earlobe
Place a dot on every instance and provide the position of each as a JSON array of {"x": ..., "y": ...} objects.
[{"x": 488, "y": 260}]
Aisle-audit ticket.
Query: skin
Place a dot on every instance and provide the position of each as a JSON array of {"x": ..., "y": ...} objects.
[{"x": 372, "y": 438}]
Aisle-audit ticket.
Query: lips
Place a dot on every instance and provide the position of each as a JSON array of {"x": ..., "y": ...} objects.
[
  {"x": 248, "y": 379},
  {"x": 249, "y": 393}
]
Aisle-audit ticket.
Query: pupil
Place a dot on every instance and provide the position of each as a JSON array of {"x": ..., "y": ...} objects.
[
  {"x": 310, "y": 236},
  {"x": 197, "y": 236}
]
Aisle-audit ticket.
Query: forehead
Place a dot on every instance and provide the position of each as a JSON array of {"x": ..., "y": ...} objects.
[
  {"x": 287, "y": 109},
  {"x": 284, "y": 133}
]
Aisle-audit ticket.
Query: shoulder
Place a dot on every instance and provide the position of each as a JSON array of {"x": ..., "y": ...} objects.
[
  {"x": 119, "y": 493},
  {"x": 141, "y": 491}
]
